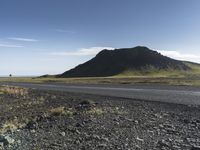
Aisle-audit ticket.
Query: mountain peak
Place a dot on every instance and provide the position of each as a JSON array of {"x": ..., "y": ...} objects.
[{"x": 114, "y": 62}]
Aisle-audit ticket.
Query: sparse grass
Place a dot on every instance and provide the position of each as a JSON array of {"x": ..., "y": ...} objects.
[
  {"x": 11, "y": 125},
  {"x": 95, "y": 111},
  {"x": 116, "y": 110},
  {"x": 58, "y": 111},
  {"x": 100, "y": 111},
  {"x": 192, "y": 80},
  {"x": 14, "y": 90}
]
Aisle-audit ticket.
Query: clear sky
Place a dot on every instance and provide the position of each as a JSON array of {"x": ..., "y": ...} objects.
[{"x": 51, "y": 36}]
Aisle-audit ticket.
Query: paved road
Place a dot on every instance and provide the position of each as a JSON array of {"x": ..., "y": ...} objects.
[{"x": 171, "y": 94}]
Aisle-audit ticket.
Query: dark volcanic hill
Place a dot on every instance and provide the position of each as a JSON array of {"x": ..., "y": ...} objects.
[{"x": 114, "y": 62}]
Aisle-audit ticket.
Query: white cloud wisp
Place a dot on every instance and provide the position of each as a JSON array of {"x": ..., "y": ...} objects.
[
  {"x": 10, "y": 46},
  {"x": 22, "y": 39},
  {"x": 94, "y": 50},
  {"x": 82, "y": 51},
  {"x": 181, "y": 56}
]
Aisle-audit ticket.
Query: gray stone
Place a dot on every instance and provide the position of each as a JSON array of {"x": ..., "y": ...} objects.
[
  {"x": 195, "y": 148},
  {"x": 62, "y": 133},
  {"x": 6, "y": 140},
  {"x": 162, "y": 143}
]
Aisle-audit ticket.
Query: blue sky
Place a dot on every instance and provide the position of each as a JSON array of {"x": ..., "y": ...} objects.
[{"x": 51, "y": 36}]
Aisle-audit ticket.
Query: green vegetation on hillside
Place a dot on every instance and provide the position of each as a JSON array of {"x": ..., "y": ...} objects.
[
  {"x": 152, "y": 76},
  {"x": 153, "y": 72}
]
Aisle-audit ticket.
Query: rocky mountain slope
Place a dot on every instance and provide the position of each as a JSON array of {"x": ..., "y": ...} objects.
[{"x": 114, "y": 62}]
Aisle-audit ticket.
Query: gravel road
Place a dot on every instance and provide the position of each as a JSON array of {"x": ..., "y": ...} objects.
[{"x": 171, "y": 94}]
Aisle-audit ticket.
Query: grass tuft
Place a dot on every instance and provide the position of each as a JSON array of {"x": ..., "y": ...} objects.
[
  {"x": 13, "y": 90},
  {"x": 11, "y": 125},
  {"x": 95, "y": 111},
  {"x": 59, "y": 111}
]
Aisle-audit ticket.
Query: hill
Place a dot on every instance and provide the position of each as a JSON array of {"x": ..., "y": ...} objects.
[{"x": 120, "y": 61}]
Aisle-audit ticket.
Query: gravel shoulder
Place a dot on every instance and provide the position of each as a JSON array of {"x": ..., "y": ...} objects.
[
  {"x": 44, "y": 120},
  {"x": 161, "y": 93}
]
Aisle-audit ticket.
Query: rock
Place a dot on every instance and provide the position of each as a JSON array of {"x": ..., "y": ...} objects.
[
  {"x": 1, "y": 137},
  {"x": 83, "y": 148},
  {"x": 117, "y": 123},
  {"x": 197, "y": 121},
  {"x": 9, "y": 140},
  {"x": 73, "y": 130},
  {"x": 33, "y": 131},
  {"x": 77, "y": 131},
  {"x": 186, "y": 121},
  {"x": 6, "y": 140},
  {"x": 130, "y": 120},
  {"x": 191, "y": 140},
  {"x": 162, "y": 143},
  {"x": 137, "y": 147},
  {"x": 31, "y": 125},
  {"x": 105, "y": 139},
  {"x": 136, "y": 122},
  {"x": 62, "y": 133},
  {"x": 96, "y": 137},
  {"x": 79, "y": 125},
  {"x": 176, "y": 147},
  {"x": 86, "y": 103},
  {"x": 19, "y": 142},
  {"x": 139, "y": 139},
  {"x": 1, "y": 145},
  {"x": 56, "y": 145},
  {"x": 77, "y": 141},
  {"x": 103, "y": 145},
  {"x": 195, "y": 148}
]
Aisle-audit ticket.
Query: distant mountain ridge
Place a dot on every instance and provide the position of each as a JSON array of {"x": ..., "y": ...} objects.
[{"x": 114, "y": 62}]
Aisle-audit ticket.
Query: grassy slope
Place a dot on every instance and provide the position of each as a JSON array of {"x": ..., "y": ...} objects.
[
  {"x": 152, "y": 72},
  {"x": 152, "y": 76},
  {"x": 195, "y": 68}
]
